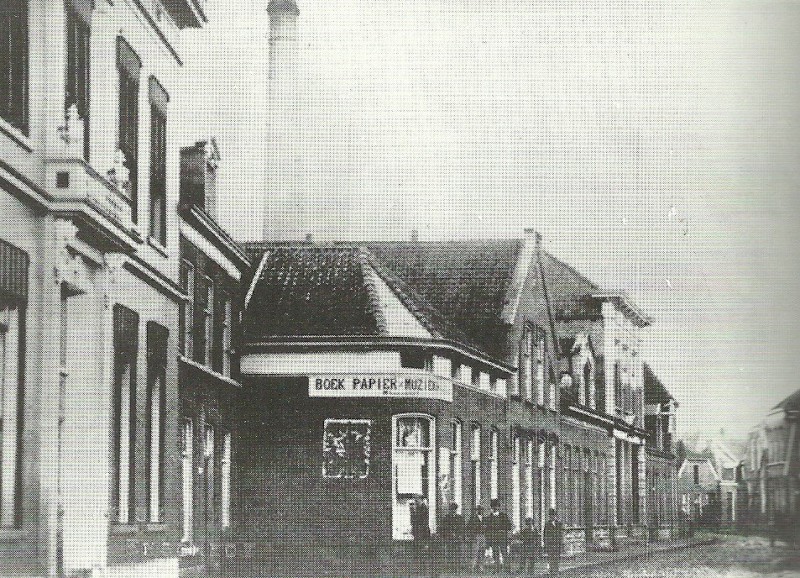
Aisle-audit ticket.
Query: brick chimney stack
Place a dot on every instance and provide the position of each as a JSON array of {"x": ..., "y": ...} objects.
[{"x": 285, "y": 196}]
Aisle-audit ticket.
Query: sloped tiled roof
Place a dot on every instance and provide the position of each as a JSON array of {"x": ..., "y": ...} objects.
[
  {"x": 654, "y": 390},
  {"x": 311, "y": 291},
  {"x": 791, "y": 403},
  {"x": 570, "y": 292},
  {"x": 465, "y": 281}
]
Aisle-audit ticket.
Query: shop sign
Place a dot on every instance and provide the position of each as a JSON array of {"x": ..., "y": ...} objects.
[{"x": 422, "y": 386}]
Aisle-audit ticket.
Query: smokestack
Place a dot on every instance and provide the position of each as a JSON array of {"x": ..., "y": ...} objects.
[{"x": 285, "y": 197}]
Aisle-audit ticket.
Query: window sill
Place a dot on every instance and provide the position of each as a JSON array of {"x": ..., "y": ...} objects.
[
  {"x": 15, "y": 134},
  {"x": 160, "y": 249}
]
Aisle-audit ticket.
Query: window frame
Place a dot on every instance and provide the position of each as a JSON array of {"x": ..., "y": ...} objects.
[
  {"x": 157, "y": 343},
  {"x": 158, "y": 162},
  {"x": 494, "y": 459},
  {"x": 185, "y": 339},
  {"x": 126, "y": 345},
  {"x": 78, "y": 69},
  {"x": 128, "y": 68},
  {"x": 15, "y": 65}
]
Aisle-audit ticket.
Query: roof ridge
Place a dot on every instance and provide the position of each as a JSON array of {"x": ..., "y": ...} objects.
[{"x": 372, "y": 292}]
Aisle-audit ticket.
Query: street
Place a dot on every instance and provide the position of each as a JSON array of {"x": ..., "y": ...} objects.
[{"x": 729, "y": 557}]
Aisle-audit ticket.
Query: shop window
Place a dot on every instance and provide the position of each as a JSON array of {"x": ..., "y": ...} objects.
[
  {"x": 412, "y": 469},
  {"x": 14, "y": 63},
  {"x": 129, "y": 66},
  {"x": 187, "y": 479},
  {"x": 126, "y": 343},
  {"x": 493, "y": 459},
  {"x": 156, "y": 406},
  {"x": 475, "y": 464},
  {"x": 346, "y": 448},
  {"x": 11, "y": 356},
  {"x": 76, "y": 87},
  {"x": 414, "y": 359}
]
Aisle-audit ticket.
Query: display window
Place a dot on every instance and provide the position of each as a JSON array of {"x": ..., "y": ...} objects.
[
  {"x": 346, "y": 448},
  {"x": 412, "y": 470}
]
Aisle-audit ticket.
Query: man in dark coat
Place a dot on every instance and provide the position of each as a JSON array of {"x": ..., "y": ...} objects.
[
  {"x": 421, "y": 532},
  {"x": 497, "y": 528},
  {"x": 531, "y": 547},
  {"x": 476, "y": 529},
  {"x": 451, "y": 532},
  {"x": 553, "y": 541}
]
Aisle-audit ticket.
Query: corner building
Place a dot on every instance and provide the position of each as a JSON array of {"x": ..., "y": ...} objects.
[
  {"x": 89, "y": 287},
  {"x": 361, "y": 397}
]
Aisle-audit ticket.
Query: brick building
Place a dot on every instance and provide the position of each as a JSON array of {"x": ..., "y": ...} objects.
[
  {"x": 211, "y": 271},
  {"x": 361, "y": 396},
  {"x": 661, "y": 462}
]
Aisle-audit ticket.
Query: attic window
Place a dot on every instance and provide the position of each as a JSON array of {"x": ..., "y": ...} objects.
[{"x": 416, "y": 360}]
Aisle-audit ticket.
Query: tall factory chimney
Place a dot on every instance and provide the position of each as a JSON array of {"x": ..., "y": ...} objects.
[{"x": 285, "y": 197}]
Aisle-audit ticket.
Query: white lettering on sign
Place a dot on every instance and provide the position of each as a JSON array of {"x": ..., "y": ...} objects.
[{"x": 424, "y": 386}]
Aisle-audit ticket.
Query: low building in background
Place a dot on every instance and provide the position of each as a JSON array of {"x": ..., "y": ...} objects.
[
  {"x": 708, "y": 482},
  {"x": 771, "y": 472}
]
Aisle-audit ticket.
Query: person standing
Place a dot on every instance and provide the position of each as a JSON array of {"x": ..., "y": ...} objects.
[
  {"x": 553, "y": 541},
  {"x": 452, "y": 539},
  {"x": 497, "y": 528},
  {"x": 421, "y": 532},
  {"x": 477, "y": 533},
  {"x": 531, "y": 547}
]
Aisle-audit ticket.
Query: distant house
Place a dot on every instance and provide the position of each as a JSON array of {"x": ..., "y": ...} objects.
[
  {"x": 708, "y": 484},
  {"x": 772, "y": 463}
]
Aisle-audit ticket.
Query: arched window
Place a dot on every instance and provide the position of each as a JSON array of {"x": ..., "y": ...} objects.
[{"x": 413, "y": 469}]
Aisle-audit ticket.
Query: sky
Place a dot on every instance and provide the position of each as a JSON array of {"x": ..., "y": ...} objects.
[{"x": 653, "y": 143}]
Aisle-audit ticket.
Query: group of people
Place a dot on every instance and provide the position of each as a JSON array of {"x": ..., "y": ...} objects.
[{"x": 485, "y": 532}]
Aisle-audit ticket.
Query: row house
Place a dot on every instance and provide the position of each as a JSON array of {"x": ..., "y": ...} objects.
[
  {"x": 516, "y": 346},
  {"x": 602, "y": 382},
  {"x": 661, "y": 462},
  {"x": 211, "y": 272},
  {"x": 90, "y": 292},
  {"x": 771, "y": 469}
]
